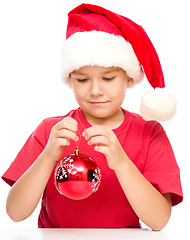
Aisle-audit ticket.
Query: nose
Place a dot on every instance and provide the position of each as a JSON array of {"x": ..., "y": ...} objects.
[{"x": 96, "y": 88}]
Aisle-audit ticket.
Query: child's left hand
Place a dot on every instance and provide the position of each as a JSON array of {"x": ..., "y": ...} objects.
[{"x": 106, "y": 143}]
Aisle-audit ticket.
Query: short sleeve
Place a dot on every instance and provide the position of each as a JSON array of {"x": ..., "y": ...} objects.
[
  {"x": 27, "y": 155},
  {"x": 161, "y": 168}
]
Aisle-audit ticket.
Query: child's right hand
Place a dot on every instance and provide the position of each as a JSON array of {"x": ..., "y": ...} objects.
[{"x": 60, "y": 137}]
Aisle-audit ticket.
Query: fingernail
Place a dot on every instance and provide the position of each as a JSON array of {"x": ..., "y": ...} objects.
[
  {"x": 83, "y": 134},
  {"x": 96, "y": 148}
]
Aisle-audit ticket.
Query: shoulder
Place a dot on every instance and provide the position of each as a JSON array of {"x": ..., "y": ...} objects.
[
  {"x": 51, "y": 121},
  {"x": 44, "y": 128},
  {"x": 138, "y": 121},
  {"x": 142, "y": 129}
]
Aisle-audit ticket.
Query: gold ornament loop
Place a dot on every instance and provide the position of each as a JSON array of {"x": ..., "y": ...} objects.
[{"x": 77, "y": 152}]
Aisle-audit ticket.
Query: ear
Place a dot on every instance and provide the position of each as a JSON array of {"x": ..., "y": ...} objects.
[{"x": 130, "y": 82}]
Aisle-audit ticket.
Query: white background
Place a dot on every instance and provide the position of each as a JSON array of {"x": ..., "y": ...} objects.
[{"x": 31, "y": 36}]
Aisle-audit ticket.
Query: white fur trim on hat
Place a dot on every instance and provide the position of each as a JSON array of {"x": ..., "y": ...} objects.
[
  {"x": 101, "y": 49},
  {"x": 158, "y": 104}
]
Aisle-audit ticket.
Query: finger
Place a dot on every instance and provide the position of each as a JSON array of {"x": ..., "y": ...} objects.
[
  {"x": 62, "y": 142},
  {"x": 102, "y": 149},
  {"x": 67, "y": 134},
  {"x": 67, "y": 123},
  {"x": 99, "y": 141},
  {"x": 95, "y": 130}
]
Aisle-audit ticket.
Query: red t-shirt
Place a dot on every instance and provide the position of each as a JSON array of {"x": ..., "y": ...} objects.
[{"x": 145, "y": 143}]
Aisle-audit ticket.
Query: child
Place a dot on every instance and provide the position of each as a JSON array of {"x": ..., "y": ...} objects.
[{"x": 103, "y": 55}]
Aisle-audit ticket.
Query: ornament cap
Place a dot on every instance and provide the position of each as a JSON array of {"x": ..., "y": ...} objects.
[{"x": 77, "y": 152}]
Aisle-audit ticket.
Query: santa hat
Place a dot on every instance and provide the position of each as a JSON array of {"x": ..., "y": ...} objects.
[{"x": 96, "y": 36}]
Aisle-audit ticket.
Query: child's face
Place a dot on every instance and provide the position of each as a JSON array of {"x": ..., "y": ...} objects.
[{"x": 98, "y": 90}]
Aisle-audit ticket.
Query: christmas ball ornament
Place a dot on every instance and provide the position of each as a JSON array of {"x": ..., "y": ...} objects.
[{"x": 77, "y": 176}]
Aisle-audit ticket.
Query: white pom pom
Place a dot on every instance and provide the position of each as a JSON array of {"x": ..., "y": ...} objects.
[{"x": 158, "y": 104}]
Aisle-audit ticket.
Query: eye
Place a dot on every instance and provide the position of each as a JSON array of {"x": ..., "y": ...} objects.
[
  {"x": 108, "y": 79},
  {"x": 82, "y": 80}
]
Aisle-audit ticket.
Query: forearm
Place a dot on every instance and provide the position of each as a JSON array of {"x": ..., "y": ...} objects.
[
  {"x": 26, "y": 192},
  {"x": 147, "y": 202}
]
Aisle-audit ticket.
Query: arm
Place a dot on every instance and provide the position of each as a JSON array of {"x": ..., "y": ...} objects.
[
  {"x": 149, "y": 204},
  {"x": 153, "y": 208},
  {"x": 26, "y": 192}
]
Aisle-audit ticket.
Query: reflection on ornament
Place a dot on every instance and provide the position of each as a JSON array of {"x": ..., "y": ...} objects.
[{"x": 77, "y": 176}]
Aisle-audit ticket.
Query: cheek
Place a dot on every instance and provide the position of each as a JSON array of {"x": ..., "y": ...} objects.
[
  {"x": 118, "y": 91},
  {"x": 79, "y": 92}
]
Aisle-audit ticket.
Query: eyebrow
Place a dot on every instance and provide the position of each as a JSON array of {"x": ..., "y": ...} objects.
[
  {"x": 110, "y": 71},
  {"x": 106, "y": 72},
  {"x": 78, "y": 73}
]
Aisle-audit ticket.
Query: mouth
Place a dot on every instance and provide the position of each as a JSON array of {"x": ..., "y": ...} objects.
[{"x": 98, "y": 103}]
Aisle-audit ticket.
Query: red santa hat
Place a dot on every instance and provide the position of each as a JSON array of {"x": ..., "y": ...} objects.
[{"x": 96, "y": 36}]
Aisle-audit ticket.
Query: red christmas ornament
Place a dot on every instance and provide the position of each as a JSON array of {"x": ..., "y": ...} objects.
[{"x": 77, "y": 176}]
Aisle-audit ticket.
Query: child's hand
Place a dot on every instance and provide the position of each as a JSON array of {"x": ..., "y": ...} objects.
[
  {"x": 107, "y": 143},
  {"x": 60, "y": 137}
]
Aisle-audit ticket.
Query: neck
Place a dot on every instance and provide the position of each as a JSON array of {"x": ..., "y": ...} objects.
[{"x": 111, "y": 122}]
